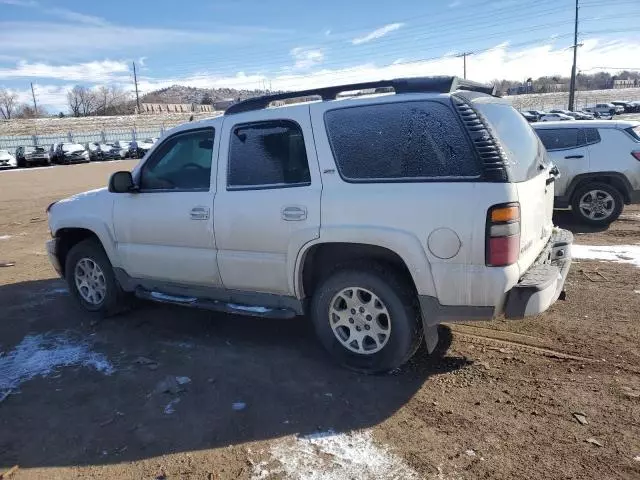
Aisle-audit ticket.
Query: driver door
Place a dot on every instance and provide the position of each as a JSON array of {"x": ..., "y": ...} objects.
[{"x": 165, "y": 231}]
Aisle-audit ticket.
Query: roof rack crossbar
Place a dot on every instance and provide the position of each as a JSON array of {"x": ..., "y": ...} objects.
[{"x": 441, "y": 84}]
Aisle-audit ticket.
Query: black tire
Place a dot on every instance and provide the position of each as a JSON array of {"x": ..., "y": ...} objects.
[
  {"x": 115, "y": 299},
  {"x": 618, "y": 204},
  {"x": 400, "y": 300},
  {"x": 21, "y": 163}
]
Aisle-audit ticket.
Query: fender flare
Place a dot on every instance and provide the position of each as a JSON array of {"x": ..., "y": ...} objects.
[
  {"x": 578, "y": 179},
  {"x": 99, "y": 229},
  {"x": 404, "y": 244}
]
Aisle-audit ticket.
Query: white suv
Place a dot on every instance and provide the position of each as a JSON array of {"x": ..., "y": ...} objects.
[
  {"x": 380, "y": 216},
  {"x": 599, "y": 162}
]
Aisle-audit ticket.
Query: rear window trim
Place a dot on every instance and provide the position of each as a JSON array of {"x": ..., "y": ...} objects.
[{"x": 457, "y": 179}]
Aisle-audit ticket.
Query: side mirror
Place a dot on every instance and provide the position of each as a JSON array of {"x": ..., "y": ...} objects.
[{"x": 122, "y": 182}]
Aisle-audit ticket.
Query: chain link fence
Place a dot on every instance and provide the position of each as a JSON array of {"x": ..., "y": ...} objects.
[{"x": 10, "y": 143}]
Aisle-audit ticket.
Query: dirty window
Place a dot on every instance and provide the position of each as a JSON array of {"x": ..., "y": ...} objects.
[
  {"x": 560, "y": 138},
  {"x": 182, "y": 162},
  {"x": 267, "y": 154},
  {"x": 399, "y": 141}
]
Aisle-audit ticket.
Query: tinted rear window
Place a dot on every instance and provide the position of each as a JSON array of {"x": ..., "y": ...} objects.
[
  {"x": 518, "y": 140},
  {"x": 405, "y": 141}
]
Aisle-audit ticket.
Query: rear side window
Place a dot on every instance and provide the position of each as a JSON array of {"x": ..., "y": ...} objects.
[
  {"x": 267, "y": 154},
  {"x": 405, "y": 141},
  {"x": 560, "y": 138},
  {"x": 591, "y": 135},
  {"x": 517, "y": 139},
  {"x": 634, "y": 132}
]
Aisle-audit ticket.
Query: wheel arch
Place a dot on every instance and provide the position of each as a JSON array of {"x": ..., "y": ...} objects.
[
  {"x": 69, "y": 236},
  {"x": 403, "y": 253},
  {"x": 615, "y": 179}
]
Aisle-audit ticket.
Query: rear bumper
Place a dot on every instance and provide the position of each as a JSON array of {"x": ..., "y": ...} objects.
[
  {"x": 52, "y": 252},
  {"x": 544, "y": 282}
]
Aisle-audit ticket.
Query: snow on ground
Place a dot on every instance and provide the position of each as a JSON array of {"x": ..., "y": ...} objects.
[
  {"x": 612, "y": 253},
  {"x": 332, "y": 456},
  {"x": 44, "y": 354},
  {"x": 5, "y": 237}
]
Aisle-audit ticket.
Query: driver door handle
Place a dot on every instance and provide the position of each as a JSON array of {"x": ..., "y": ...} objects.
[
  {"x": 199, "y": 213},
  {"x": 574, "y": 156}
]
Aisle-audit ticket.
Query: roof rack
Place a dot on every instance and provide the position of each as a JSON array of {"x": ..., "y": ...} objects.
[{"x": 440, "y": 84}]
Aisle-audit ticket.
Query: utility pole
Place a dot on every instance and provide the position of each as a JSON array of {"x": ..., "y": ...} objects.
[
  {"x": 464, "y": 62},
  {"x": 572, "y": 86},
  {"x": 35, "y": 105},
  {"x": 135, "y": 81}
]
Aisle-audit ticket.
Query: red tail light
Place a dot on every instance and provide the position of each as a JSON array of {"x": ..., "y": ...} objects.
[
  {"x": 503, "y": 235},
  {"x": 636, "y": 154}
]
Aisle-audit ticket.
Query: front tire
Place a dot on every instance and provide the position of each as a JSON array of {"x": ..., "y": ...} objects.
[
  {"x": 367, "y": 318},
  {"x": 91, "y": 280},
  {"x": 597, "y": 204}
]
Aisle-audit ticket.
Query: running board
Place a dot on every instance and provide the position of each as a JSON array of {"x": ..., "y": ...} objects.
[{"x": 215, "y": 305}]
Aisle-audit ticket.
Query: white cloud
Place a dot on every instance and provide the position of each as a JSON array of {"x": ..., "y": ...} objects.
[
  {"x": 20, "y": 3},
  {"x": 380, "y": 32},
  {"x": 455, "y": 3},
  {"x": 306, "y": 58},
  {"x": 72, "y": 16},
  {"x": 500, "y": 62},
  {"x": 94, "y": 72}
]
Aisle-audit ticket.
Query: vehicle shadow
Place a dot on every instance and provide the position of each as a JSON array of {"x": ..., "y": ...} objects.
[
  {"x": 564, "y": 219},
  {"x": 250, "y": 379}
]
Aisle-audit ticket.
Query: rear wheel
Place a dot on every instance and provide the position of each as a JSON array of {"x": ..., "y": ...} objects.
[
  {"x": 367, "y": 319},
  {"x": 597, "y": 204},
  {"x": 91, "y": 279}
]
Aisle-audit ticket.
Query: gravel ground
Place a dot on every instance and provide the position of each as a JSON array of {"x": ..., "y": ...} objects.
[{"x": 556, "y": 396}]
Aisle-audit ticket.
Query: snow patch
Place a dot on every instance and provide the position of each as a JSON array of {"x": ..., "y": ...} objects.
[
  {"x": 612, "y": 253},
  {"x": 41, "y": 355},
  {"x": 5, "y": 237},
  {"x": 332, "y": 456}
]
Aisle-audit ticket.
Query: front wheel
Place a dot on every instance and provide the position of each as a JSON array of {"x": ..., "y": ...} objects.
[
  {"x": 597, "y": 204},
  {"x": 91, "y": 279},
  {"x": 367, "y": 319}
]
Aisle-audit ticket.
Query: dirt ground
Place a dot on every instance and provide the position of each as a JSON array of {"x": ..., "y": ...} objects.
[{"x": 264, "y": 401}]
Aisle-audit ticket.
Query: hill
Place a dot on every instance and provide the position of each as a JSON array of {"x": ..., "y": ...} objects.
[{"x": 182, "y": 94}]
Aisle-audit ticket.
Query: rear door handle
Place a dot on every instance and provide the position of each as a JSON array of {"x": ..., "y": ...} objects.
[
  {"x": 199, "y": 213},
  {"x": 574, "y": 156},
  {"x": 294, "y": 213}
]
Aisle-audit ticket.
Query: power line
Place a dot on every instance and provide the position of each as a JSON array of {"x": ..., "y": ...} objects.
[
  {"x": 572, "y": 86},
  {"x": 464, "y": 60}
]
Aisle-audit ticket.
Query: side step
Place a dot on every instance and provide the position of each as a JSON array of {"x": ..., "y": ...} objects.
[{"x": 215, "y": 305}]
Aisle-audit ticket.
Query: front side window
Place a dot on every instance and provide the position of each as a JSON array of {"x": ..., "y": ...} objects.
[
  {"x": 560, "y": 138},
  {"x": 267, "y": 154},
  {"x": 401, "y": 141},
  {"x": 182, "y": 162}
]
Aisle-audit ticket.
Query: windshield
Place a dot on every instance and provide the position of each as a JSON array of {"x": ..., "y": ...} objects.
[
  {"x": 72, "y": 147},
  {"x": 124, "y": 144}
]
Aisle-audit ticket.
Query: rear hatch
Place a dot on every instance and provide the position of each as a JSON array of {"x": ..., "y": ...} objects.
[{"x": 529, "y": 170}]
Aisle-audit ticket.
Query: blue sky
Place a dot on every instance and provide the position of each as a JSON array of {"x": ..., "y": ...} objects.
[{"x": 289, "y": 44}]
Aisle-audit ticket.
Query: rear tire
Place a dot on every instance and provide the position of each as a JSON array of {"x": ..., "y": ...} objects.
[
  {"x": 91, "y": 280},
  {"x": 375, "y": 307},
  {"x": 597, "y": 204}
]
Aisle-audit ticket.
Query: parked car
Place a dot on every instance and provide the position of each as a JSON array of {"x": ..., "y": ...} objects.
[
  {"x": 626, "y": 106},
  {"x": 315, "y": 213},
  {"x": 537, "y": 113},
  {"x": 599, "y": 163},
  {"x": 29, "y": 155},
  {"x": 124, "y": 148},
  {"x": 574, "y": 115},
  {"x": 634, "y": 106},
  {"x": 602, "y": 109},
  {"x": 7, "y": 160},
  {"x": 67, "y": 153},
  {"x": 143, "y": 146},
  {"x": 555, "y": 117},
  {"x": 530, "y": 117},
  {"x": 95, "y": 153},
  {"x": 580, "y": 115},
  {"x": 109, "y": 151}
]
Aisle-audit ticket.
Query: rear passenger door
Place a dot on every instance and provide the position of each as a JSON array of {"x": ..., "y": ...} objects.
[
  {"x": 268, "y": 201},
  {"x": 568, "y": 150}
]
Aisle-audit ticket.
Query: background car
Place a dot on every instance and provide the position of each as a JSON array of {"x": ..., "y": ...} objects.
[
  {"x": 7, "y": 160},
  {"x": 109, "y": 151},
  {"x": 143, "y": 147},
  {"x": 575, "y": 115},
  {"x": 555, "y": 117},
  {"x": 123, "y": 147},
  {"x": 537, "y": 113},
  {"x": 94, "y": 151},
  {"x": 67, "y": 153},
  {"x": 599, "y": 163},
  {"x": 530, "y": 117},
  {"x": 28, "y": 155}
]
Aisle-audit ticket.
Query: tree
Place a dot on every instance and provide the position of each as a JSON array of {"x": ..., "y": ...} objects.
[
  {"x": 26, "y": 111},
  {"x": 8, "y": 103},
  {"x": 206, "y": 99},
  {"x": 73, "y": 99}
]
